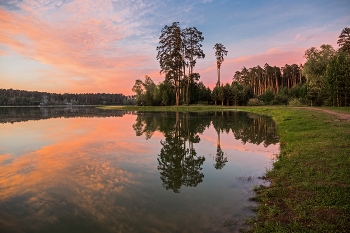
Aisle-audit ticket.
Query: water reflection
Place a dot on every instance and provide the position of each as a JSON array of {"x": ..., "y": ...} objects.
[
  {"x": 220, "y": 161},
  {"x": 20, "y": 114},
  {"x": 179, "y": 164},
  {"x": 85, "y": 171}
]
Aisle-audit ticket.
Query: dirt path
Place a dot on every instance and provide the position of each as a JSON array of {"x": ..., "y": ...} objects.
[{"x": 341, "y": 116}]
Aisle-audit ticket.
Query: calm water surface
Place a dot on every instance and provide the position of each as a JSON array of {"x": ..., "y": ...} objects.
[{"x": 86, "y": 170}]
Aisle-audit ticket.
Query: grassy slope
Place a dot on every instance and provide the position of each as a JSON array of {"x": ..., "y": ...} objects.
[
  {"x": 339, "y": 109},
  {"x": 310, "y": 189},
  {"x": 182, "y": 108}
]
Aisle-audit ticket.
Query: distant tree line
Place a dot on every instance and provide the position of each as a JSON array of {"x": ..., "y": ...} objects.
[
  {"x": 324, "y": 79},
  {"x": 10, "y": 97}
]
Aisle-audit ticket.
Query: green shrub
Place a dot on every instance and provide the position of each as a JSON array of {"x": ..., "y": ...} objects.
[
  {"x": 267, "y": 96},
  {"x": 294, "y": 102},
  {"x": 280, "y": 100},
  {"x": 255, "y": 102}
]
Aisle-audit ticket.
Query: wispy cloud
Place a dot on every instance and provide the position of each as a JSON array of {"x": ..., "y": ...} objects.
[
  {"x": 104, "y": 45},
  {"x": 297, "y": 37},
  {"x": 82, "y": 38}
]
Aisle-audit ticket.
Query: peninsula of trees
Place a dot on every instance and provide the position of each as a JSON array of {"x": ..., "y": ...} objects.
[{"x": 324, "y": 79}]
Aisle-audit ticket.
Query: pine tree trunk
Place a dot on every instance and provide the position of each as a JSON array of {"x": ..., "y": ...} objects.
[
  {"x": 188, "y": 84},
  {"x": 218, "y": 83},
  {"x": 177, "y": 90}
]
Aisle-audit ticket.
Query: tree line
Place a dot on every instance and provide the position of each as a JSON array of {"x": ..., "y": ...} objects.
[
  {"x": 10, "y": 97},
  {"x": 328, "y": 72},
  {"x": 324, "y": 79}
]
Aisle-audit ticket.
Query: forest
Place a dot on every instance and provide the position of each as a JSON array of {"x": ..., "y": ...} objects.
[
  {"x": 324, "y": 79},
  {"x": 10, "y": 97}
]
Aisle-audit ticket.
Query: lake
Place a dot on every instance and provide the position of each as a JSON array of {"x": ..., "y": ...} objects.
[{"x": 88, "y": 170}]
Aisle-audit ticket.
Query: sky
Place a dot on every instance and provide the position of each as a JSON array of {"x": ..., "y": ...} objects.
[{"x": 103, "y": 46}]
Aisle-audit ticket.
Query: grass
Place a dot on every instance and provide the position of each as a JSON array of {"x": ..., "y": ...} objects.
[
  {"x": 310, "y": 181},
  {"x": 182, "y": 108},
  {"x": 339, "y": 109}
]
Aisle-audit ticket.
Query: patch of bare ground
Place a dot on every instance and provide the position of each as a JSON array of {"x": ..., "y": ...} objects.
[{"x": 340, "y": 116}]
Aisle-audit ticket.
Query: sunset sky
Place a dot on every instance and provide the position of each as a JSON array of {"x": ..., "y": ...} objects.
[{"x": 81, "y": 46}]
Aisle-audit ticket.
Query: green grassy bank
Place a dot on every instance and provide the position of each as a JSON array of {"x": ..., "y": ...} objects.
[
  {"x": 310, "y": 181},
  {"x": 310, "y": 189},
  {"x": 181, "y": 108}
]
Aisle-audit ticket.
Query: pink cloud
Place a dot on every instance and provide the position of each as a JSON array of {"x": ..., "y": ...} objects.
[
  {"x": 3, "y": 53},
  {"x": 87, "y": 49}
]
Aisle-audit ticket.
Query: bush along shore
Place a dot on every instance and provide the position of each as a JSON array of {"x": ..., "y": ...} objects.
[{"x": 310, "y": 181}]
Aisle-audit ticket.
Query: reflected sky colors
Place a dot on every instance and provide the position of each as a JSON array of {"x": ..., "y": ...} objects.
[{"x": 95, "y": 175}]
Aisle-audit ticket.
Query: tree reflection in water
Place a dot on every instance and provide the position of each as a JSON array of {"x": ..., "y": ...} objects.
[
  {"x": 179, "y": 165},
  {"x": 220, "y": 161},
  {"x": 178, "y": 162}
]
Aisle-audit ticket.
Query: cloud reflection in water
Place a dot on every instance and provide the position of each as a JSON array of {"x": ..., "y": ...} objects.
[{"x": 96, "y": 175}]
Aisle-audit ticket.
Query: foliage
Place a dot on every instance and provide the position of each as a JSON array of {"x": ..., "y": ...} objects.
[
  {"x": 267, "y": 97},
  {"x": 220, "y": 52},
  {"x": 344, "y": 40},
  {"x": 255, "y": 102},
  {"x": 327, "y": 73},
  {"x": 171, "y": 54},
  {"x": 337, "y": 79},
  {"x": 314, "y": 70},
  {"x": 179, "y": 48},
  {"x": 295, "y": 102},
  {"x": 11, "y": 97},
  {"x": 193, "y": 51},
  {"x": 280, "y": 99},
  {"x": 163, "y": 94},
  {"x": 215, "y": 94}
]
